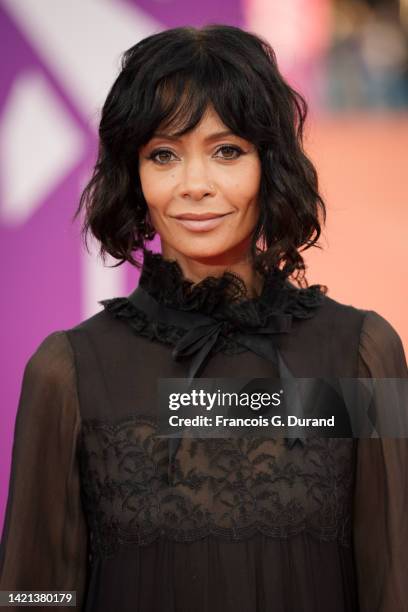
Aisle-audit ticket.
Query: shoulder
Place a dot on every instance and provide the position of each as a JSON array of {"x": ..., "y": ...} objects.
[
  {"x": 342, "y": 322},
  {"x": 381, "y": 349},
  {"x": 335, "y": 309},
  {"x": 53, "y": 365},
  {"x": 98, "y": 322},
  {"x": 49, "y": 379},
  {"x": 52, "y": 359},
  {"x": 105, "y": 334},
  {"x": 371, "y": 325},
  {"x": 379, "y": 345},
  {"x": 352, "y": 336},
  {"x": 378, "y": 329},
  {"x": 324, "y": 312}
]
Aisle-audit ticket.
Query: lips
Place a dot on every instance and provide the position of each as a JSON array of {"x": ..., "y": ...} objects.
[
  {"x": 200, "y": 217},
  {"x": 201, "y": 223}
]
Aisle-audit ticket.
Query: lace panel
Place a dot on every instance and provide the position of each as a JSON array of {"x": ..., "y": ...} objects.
[{"x": 230, "y": 487}]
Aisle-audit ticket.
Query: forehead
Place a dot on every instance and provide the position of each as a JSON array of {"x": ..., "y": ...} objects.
[{"x": 209, "y": 124}]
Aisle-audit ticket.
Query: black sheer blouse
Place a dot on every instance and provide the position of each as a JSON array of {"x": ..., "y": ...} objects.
[{"x": 244, "y": 524}]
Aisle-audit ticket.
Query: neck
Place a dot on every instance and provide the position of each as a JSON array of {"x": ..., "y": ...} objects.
[{"x": 198, "y": 268}]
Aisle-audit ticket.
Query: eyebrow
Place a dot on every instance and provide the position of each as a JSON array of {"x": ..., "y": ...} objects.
[{"x": 213, "y": 136}]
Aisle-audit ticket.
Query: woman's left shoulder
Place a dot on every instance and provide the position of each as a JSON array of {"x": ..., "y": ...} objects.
[
  {"x": 341, "y": 318},
  {"x": 315, "y": 303},
  {"x": 379, "y": 328},
  {"x": 381, "y": 347},
  {"x": 374, "y": 327}
]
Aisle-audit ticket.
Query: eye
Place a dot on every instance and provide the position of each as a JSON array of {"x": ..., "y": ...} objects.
[
  {"x": 165, "y": 156},
  {"x": 232, "y": 151}
]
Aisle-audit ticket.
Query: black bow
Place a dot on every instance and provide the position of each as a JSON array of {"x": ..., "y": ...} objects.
[{"x": 202, "y": 334}]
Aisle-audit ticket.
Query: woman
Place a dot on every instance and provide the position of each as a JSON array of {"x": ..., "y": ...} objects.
[{"x": 201, "y": 143}]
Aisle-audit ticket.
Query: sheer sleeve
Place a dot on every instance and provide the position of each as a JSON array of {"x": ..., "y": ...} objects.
[
  {"x": 380, "y": 524},
  {"x": 45, "y": 540}
]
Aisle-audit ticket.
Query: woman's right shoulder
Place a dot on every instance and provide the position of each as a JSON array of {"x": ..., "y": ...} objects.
[
  {"x": 56, "y": 350},
  {"x": 52, "y": 358},
  {"x": 49, "y": 382},
  {"x": 102, "y": 322}
]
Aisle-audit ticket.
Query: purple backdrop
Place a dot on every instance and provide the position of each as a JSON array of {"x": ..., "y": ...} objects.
[{"x": 47, "y": 142}]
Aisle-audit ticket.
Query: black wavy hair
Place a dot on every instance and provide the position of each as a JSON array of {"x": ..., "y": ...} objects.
[{"x": 168, "y": 80}]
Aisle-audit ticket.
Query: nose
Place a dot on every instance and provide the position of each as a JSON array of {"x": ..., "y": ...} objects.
[{"x": 195, "y": 182}]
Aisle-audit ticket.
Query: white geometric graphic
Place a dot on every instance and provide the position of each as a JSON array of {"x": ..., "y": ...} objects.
[
  {"x": 81, "y": 42},
  {"x": 39, "y": 144}
]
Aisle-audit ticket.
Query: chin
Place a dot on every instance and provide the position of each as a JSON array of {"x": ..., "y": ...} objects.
[
  {"x": 213, "y": 253},
  {"x": 202, "y": 253},
  {"x": 225, "y": 246}
]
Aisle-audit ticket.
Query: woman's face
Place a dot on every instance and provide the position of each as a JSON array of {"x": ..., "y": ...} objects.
[{"x": 209, "y": 171}]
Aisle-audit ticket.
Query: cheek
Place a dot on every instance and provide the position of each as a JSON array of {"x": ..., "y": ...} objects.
[
  {"x": 242, "y": 187},
  {"x": 251, "y": 177},
  {"x": 156, "y": 191}
]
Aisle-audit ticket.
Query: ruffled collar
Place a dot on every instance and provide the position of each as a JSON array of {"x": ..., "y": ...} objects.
[
  {"x": 196, "y": 318},
  {"x": 225, "y": 297}
]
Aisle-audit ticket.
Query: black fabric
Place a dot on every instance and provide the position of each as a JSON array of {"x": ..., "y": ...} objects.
[
  {"x": 201, "y": 335},
  {"x": 245, "y": 524}
]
